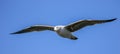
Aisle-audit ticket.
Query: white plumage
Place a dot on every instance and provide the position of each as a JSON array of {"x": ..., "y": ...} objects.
[{"x": 64, "y": 31}]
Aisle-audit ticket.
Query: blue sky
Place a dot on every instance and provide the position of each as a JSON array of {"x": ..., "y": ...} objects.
[{"x": 98, "y": 39}]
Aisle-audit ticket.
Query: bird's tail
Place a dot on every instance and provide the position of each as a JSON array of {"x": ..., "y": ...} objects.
[{"x": 73, "y": 38}]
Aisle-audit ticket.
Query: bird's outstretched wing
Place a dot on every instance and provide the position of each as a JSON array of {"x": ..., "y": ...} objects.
[
  {"x": 35, "y": 28},
  {"x": 80, "y": 24}
]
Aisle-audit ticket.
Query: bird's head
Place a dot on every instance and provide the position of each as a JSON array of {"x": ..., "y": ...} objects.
[{"x": 56, "y": 28}]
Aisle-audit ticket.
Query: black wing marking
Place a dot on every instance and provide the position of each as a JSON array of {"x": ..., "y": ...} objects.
[
  {"x": 34, "y": 28},
  {"x": 83, "y": 23}
]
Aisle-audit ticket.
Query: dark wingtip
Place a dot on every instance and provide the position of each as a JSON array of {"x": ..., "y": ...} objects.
[
  {"x": 112, "y": 19},
  {"x": 16, "y": 33}
]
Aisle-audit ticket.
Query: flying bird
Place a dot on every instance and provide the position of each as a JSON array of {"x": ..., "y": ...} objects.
[{"x": 64, "y": 31}]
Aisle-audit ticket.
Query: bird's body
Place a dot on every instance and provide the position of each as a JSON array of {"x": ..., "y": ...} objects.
[{"x": 65, "y": 31}]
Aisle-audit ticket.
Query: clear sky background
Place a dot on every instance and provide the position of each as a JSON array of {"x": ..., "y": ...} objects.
[{"x": 98, "y": 39}]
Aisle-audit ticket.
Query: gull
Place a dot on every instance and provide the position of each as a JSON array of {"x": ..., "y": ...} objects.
[{"x": 64, "y": 31}]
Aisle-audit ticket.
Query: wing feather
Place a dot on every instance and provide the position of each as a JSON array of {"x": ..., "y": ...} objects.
[
  {"x": 83, "y": 23},
  {"x": 35, "y": 28}
]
